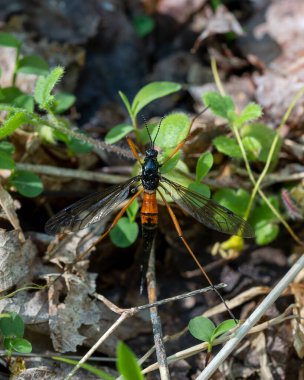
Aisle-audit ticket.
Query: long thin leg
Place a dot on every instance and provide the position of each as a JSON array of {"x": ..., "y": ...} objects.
[
  {"x": 133, "y": 148},
  {"x": 182, "y": 143},
  {"x": 180, "y": 235},
  {"x": 113, "y": 224}
]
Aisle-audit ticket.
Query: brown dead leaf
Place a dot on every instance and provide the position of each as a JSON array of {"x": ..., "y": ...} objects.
[
  {"x": 7, "y": 64},
  {"x": 16, "y": 259},
  {"x": 70, "y": 306},
  {"x": 276, "y": 92},
  {"x": 179, "y": 10},
  {"x": 220, "y": 22},
  {"x": 259, "y": 344},
  {"x": 298, "y": 324},
  {"x": 8, "y": 206},
  {"x": 32, "y": 307}
]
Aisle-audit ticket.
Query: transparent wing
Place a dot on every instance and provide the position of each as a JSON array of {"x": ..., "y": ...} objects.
[
  {"x": 207, "y": 211},
  {"x": 90, "y": 209}
]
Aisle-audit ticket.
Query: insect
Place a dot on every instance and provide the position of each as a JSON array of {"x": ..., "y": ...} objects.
[{"x": 149, "y": 183}]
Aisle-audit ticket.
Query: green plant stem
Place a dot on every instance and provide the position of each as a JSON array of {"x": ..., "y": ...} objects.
[
  {"x": 216, "y": 76},
  {"x": 16, "y": 66},
  {"x": 136, "y": 129},
  {"x": 54, "y": 123},
  {"x": 257, "y": 183}
]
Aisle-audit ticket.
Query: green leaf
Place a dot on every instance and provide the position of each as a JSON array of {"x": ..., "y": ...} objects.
[
  {"x": 12, "y": 123},
  {"x": 26, "y": 183},
  {"x": 20, "y": 345},
  {"x": 170, "y": 165},
  {"x": 263, "y": 213},
  {"x": 151, "y": 92},
  {"x": 7, "y": 147},
  {"x": 15, "y": 97},
  {"x": 11, "y": 325},
  {"x": 179, "y": 175},
  {"x": 98, "y": 372},
  {"x": 252, "y": 147},
  {"x": 174, "y": 129},
  {"x": 32, "y": 64},
  {"x": 6, "y": 161},
  {"x": 201, "y": 328},
  {"x": 9, "y": 94},
  {"x": 63, "y": 101},
  {"x": 45, "y": 85},
  {"x": 264, "y": 222},
  {"x": 144, "y": 138},
  {"x": 228, "y": 146},
  {"x": 204, "y": 164},
  {"x": 117, "y": 133},
  {"x": 251, "y": 112},
  {"x": 9, "y": 40},
  {"x": 127, "y": 363},
  {"x": 235, "y": 200},
  {"x": 264, "y": 135},
  {"x": 25, "y": 101},
  {"x": 219, "y": 105},
  {"x": 126, "y": 103},
  {"x": 143, "y": 25},
  {"x": 265, "y": 232},
  {"x": 132, "y": 210},
  {"x": 200, "y": 188},
  {"x": 223, "y": 327},
  {"x": 124, "y": 233}
]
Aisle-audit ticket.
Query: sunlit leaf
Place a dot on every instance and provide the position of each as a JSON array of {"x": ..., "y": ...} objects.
[
  {"x": 127, "y": 363},
  {"x": 124, "y": 233},
  {"x": 223, "y": 327},
  {"x": 27, "y": 183},
  {"x": 63, "y": 101},
  {"x": 32, "y": 64},
  {"x": 174, "y": 129},
  {"x": 9, "y": 40},
  {"x": 12, "y": 123},
  {"x": 117, "y": 133},
  {"x": 219, "y": 105},
  {"x": 204, "y": 164},
  {"x": 228, "y": 146},
  {"x": 201, "y": 328},
  {"x": 21, "y": 345},
  {"x": 11, "y": 325},
  {"x": 45, "y": 85},
  {"x": 151, "y": 92}
]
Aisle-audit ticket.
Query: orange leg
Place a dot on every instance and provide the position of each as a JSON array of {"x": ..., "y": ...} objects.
[
  {"x": 133, "y": 148},
  {"x": 113, "y": 224},
  {"x": 180, "y": 235}
]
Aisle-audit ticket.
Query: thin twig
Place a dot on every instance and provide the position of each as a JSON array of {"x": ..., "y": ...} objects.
[
  {"x": 73, "y": 173},
  {"x": 127, "y": 313},
  {"x": 136, "y": 309},
  {"x": 252, "y": 320},
  {"x": 194, "y": 350},
  {"x": 118, "y": 322},
  {"x": 155, "y": 319}
]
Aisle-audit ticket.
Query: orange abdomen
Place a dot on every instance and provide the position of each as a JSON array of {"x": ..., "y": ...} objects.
[{"x": 149, "y": 209}]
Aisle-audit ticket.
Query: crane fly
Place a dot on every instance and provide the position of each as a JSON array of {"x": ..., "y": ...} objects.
[{"x": 149, "y": 183}]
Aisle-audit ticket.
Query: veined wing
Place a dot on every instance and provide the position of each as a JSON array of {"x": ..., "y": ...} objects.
[
  {"x": 207, "y": 211},
  {"x": 90, "y": 209}
]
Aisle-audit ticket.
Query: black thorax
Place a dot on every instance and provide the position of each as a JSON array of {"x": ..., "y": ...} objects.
[{"x": 150, "y": 174}]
